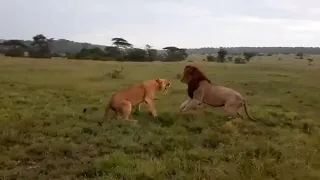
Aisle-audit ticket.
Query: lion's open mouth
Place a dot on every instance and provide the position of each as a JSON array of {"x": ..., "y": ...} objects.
[{"x": 166, "y": 88}]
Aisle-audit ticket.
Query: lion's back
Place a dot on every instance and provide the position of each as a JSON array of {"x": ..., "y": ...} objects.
[{"x": 134, "y": 94}]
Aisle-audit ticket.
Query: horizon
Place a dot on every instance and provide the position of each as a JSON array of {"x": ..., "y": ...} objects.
[
  {"x": 184, "y": 24},
  {"x": 182, "y": 47}
]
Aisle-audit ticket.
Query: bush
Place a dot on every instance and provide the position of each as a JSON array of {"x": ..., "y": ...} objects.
[
  {"x": 16, "y": 52},
  {"x": 211, "y": 58},
  {"x": 300, "y": 55},
  {"x": 249, "y": 55},
  {"x": 116, "y": 73},
  {"x": 229, "y": 58},
  {"x": 310, "y": 61},
  {"x": 239, "y": 60}
]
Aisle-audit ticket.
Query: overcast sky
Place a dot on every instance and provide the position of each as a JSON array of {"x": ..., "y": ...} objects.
[{"x": 182, "y": 23}]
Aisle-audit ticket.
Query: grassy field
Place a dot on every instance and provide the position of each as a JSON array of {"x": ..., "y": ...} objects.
[{"x": 45, "y": 135}]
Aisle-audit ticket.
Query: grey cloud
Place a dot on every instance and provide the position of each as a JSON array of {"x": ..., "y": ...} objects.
[{"x": 186, "y": 23}]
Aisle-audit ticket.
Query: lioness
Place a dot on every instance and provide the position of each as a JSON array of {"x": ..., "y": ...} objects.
[
  {"x": 123, "y": 101},
  {"x": 201, "y": 90}
]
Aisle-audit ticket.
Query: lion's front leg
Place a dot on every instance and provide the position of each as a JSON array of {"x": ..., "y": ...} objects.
[
  {"x": 139, "y": 107},
  {"x": 191, "y": 104},
  {"x": 196, "y": 101},
  {"x": 183, "y": 105}
]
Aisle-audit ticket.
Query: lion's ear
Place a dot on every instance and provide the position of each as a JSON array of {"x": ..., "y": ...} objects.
[
  {"x": 158, "y": 81},
  {"x": 189, "y": 69}
]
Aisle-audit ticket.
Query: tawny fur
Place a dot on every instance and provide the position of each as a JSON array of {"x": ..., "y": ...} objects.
[
  {"x": 123, "y": 101},
  {"x": 201, "y": 90}
]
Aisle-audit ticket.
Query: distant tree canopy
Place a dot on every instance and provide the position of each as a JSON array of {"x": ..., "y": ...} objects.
[
  {"x": 221, "y": 55},
  {"x": 14, "y": 43},
  {"x": 174, "y": 54},
  {"x": 41, "y": 47},
  {"x": 15, "y": 48},
  {"x": 152, "y": 54},
  {"x": 121, "y": 43},
  {"x": 249, "y": 55},
  {"x": 121, "y": 50}
]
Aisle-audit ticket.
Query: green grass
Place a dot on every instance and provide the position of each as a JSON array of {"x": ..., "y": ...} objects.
[{"x": 45, "y": 135}]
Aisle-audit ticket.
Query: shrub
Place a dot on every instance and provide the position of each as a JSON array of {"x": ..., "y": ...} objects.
[
  {"x": 211, "y": 58},
  {"x": 239, "y": 60},
  {"x": 310, "y": 61},
  {"x": 300, "y": 55},
  {"x": 229, "y": 58},
  {"x": 116, "y": 73},
  {"x": 15, "y": 52}
]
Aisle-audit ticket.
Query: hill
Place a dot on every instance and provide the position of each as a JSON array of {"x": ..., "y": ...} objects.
[{"x": 66, "y": 46}]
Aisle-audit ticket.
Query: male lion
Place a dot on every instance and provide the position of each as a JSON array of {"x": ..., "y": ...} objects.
[
  {"x": 123, "y": 101},
  {"x": 202, "y": 91}
]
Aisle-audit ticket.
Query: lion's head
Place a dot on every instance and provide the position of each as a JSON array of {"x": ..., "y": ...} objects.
[
  {"x": 192, "y": 73},
  {"x": 193, "y": 76},
  {"x": 164, "y": 84}
]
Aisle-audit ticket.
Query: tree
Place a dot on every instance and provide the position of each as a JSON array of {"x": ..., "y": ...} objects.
[
  {"x": 90, "y": 53},
  {"x": 14, "y": 43},
  {"x": 300, "y": 55},
  {"x": 41, "y": 47},
  {"x": 151, "y": 53},
  {"x": 16, "y": 48},
  {"x": 121, "y": 43},
  {"x": 248, "y": 55},
  {"x": 148, "y": 46},
  {"x": 175, "y": 54},
  {"x": 113, "y": 52},
  {"x": 222, "y": 54},
  {"x": 136, "y": 54}
]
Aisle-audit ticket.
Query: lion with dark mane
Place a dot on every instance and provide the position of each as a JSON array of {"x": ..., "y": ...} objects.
[{"x": 202, "y": 91}]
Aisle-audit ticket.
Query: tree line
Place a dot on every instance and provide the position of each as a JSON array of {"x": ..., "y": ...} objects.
[
  {"x": 121, "y": 50},
  {"x": 257, "y": 50}
]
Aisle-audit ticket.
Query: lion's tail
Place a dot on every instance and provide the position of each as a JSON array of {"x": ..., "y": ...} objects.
[
  {"x": 107, "y": 109},
  {"x": 106, "y": 112},
  {"x": 246, "y": 110}
]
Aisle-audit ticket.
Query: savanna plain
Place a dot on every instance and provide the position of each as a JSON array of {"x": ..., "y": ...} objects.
[{"x": 44, "y": 133}]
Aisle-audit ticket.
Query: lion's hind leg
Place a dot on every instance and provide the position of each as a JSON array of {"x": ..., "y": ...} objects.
[
  {"x": 232, "y": 108},
  {"x": 107, "y": 113},
  {"x": 126, "y": 108}
]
